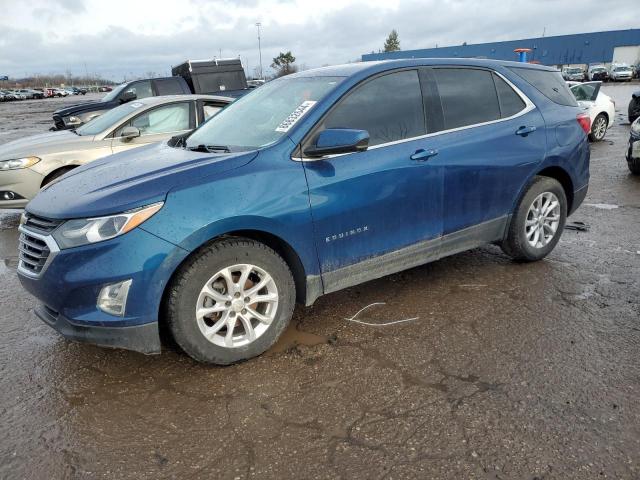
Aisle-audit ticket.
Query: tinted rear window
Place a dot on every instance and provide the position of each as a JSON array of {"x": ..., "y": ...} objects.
[
  {"x": 549, "y": 83},
  {"x": 468, "y": 96},
  {"x": 510, "y": 101}
]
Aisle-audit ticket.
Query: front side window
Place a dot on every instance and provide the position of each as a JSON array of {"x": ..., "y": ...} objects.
[
  {"x": 141, "y": 89},
  {"x": 468, "y": 96},
  {"x": 389, "y": 107},
  {"x": 175, "y": 117}
]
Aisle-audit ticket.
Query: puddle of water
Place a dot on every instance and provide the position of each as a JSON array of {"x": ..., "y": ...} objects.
[{"x": 292, "y": 337}]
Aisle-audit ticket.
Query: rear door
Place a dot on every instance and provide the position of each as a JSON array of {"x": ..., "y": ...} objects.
[
  {"x": 490, "y": 139},
  {"x": 156, "y": 124}
]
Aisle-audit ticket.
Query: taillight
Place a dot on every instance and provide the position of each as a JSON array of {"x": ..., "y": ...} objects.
[{"x": 584, "y": 121}]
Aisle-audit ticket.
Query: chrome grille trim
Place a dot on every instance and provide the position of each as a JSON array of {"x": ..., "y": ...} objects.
[
  {"x": 41, "y": 225},
  {"x": 36, "y": 251}
]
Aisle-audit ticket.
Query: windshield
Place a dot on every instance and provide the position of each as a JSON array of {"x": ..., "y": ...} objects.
[
  {"x": 113, "y": 94},
  {"x": 574, "y": 70},
  {"x": 598, "y": 70},
  {"x": 108, "y": 119},
  {"x": 622, "y": 69},
  {"x": 264, "y": 115}
]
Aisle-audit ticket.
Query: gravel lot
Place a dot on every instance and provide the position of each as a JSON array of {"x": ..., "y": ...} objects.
[{"x": 511, "y": 371}]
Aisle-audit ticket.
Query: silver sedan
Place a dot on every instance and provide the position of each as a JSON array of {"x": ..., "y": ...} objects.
[{"x": 28, "y": 164}]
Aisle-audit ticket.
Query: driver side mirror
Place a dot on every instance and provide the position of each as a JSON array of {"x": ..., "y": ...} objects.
[
  {"x": 333, "y": 141},
  {"x": 127, "y": 96},
  {"x": 129, "y": 133}
]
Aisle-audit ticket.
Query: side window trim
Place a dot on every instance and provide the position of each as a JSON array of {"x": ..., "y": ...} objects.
[{"x": 296, "y": 155}]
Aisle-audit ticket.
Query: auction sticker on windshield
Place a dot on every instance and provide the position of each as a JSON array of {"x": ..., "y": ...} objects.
[{"x": 296, "y": 115}]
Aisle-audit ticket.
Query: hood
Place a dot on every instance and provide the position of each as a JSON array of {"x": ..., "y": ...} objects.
[
  {"x": 86, "y": 107},
  {"x": 45, "y": 143},
  {"x": 128, "y": 180}
]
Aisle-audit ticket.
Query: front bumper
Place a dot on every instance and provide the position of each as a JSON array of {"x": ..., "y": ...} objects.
[
  {"x": 24, "y": 182},
  {"x": 140, "y": 338},
  {"x": 633, "y": 151},
  {"x": 71, "y": 282}
]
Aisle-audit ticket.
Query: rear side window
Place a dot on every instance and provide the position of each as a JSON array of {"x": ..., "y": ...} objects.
[
  {"x": 549, "y": 83},
  {"x": 389, "y": 108},
  {"x": 468, "y": 96},
  {"x": 168, "y": 86},
  {"x": 510, "y": 101}
]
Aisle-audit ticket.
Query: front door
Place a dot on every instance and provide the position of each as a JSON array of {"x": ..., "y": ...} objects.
[{"x": 371, "y": 208}]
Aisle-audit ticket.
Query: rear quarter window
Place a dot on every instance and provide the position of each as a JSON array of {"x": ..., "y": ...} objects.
[{"x": 549, "y": 83}]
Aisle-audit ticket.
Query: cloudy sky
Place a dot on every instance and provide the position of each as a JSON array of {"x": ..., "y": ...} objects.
[{"x": 117, "y": 38}]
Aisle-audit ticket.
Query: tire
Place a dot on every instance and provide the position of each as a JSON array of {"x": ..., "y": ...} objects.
[
  {"x": 517, "y": 244},
  {"x": 599, "y": 128},
  {"x": 201, "y": 276},
  {"x": 634, "y": 165},
  {"x": 55, "y": 175},
  {"x": 634, "y": 109}
]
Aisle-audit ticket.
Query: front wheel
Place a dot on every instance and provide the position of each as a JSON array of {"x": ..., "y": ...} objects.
[
  {"x": 538, "y": 221},
  {"x": 230, "y": 301},
  {"x": 599, "y": 128}
]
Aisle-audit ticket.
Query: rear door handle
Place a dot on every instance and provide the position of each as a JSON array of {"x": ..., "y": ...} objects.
[
  {"x": 423, "y": 155},
  {"x": 524, "y": 131}
]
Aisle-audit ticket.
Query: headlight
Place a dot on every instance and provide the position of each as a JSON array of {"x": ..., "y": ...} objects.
[
  {"x": 72, "y": 120},
  {"x": 635, "y": 126},
  {"x": 74, "y": 233},
  {"x": 18, "y": 163}
]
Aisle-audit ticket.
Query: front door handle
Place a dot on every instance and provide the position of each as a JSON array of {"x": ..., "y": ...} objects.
[
  {"x": 524, "y": 131},
  {"x": 424, "y": 155}
]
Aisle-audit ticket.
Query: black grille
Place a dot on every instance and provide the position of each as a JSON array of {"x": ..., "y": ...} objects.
[
  {"x": 33, "y": 253},
  {"x": 41, "y": 225}
]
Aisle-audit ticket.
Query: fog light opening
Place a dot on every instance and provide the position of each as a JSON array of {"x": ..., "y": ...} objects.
[
  {"x": 8, "y": 196},
  {"x": 113, "y": 298}
]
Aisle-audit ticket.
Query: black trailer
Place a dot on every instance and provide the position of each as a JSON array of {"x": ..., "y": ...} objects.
[{"x": 212, "y": 76}]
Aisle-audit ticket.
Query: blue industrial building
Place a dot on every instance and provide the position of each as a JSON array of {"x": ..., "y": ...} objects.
[{"x": 582, "y": 48}]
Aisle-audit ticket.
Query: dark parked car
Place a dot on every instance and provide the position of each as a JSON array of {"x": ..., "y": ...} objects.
[
  {"x": 633, "y": 152},
  {"x": 76, "y": 115},
  {"x": 225, "y": 77},
  {"x": 634, "y": 107},
  {"x": 312, "y": 183}
]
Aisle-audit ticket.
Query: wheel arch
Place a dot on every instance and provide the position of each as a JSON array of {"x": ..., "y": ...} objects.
[
  {"x": 563, "y": 177},
  {"x": 57, "y": 172}
]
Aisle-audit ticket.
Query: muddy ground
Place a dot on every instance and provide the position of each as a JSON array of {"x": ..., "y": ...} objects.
[{"x": 511, "y": 371}]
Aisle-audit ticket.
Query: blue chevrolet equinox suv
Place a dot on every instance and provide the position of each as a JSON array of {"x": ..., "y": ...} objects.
[{"x": 309, "y": 184}]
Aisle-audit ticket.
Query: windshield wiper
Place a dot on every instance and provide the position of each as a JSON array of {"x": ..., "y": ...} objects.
[
  {"x": 74, "y": 131},
  {"x": 210, "y": 148}
]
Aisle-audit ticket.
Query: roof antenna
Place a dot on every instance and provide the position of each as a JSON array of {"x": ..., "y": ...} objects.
[{"x": 544, "y": 30}]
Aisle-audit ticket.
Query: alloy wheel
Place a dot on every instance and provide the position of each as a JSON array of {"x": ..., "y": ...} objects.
[
  {"x": 237, "y": 305},
  {"x": 542, "y": 220},
  {"x": 599, "y": 128}
]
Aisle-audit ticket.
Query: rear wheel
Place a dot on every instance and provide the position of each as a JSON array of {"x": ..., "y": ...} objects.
[
  {"x": 634, "y": 165},
  {"x": 538, "y": 221},
  {"x": 599, "y": 128},
  {"x": 230, "y": 302}
]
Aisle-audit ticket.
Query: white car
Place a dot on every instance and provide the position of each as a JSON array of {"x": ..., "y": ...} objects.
[{"x": 600, "y": 107}]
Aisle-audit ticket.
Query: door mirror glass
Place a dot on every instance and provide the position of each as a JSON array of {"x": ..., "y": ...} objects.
[
  {"x": 129, "y": 133},
  {"x": 333, "y": 141},
  {"x": 127, "y": 96}
]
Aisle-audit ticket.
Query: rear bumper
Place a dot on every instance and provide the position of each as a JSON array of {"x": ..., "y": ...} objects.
[
  {"x": 139, "y": 338},
  {"x": 578, "y": 197}
]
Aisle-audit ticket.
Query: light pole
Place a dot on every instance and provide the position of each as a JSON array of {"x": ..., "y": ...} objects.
[{"x": 258, "y": 24}]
